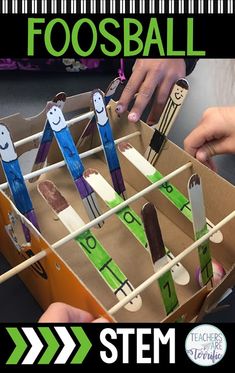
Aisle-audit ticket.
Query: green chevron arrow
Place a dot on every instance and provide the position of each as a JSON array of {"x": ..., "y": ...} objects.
[
  {"x": 84, "y": 342},
  {"x": 20, "y": 348},
  {"x": 52, "y": 343}
]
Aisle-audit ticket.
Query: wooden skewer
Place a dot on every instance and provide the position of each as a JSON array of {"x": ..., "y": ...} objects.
[
  {"x": 24, "y": 265},
  {"x": 62, "y": 163},
  {"x": 69, "y": 123},
  {"x": 168, "y": 266}
]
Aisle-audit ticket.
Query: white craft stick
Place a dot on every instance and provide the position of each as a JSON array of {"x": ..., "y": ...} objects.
[
  {"x": 125, "y": 203},
  {"x": 69, "y": 123},
  {"x": 85, "y": 154},
  {"x": 168, "y": 266},
  {"x": 195, "y": 193}
]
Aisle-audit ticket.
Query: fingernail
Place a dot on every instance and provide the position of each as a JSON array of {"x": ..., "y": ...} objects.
[
  {"x": 133, "y": 117},
  {"x": 119, "y": 108},
  {"x": 201, "y": 156}
]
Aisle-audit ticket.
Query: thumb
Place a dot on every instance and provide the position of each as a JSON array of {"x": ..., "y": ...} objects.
[{"x": 212, "y": 148}]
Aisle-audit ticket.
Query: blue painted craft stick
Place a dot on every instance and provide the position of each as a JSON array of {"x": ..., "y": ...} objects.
[
  {"x": 73, "y": 160},
  {"x": 90, "y": 127},
  {"x": 46, "y": 139},
  {"x": 15, "y": 179},
  {"x": 107, "y": 140}
]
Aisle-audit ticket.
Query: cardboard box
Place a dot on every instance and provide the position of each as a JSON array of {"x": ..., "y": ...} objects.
[{"x": 65, "y": 274}]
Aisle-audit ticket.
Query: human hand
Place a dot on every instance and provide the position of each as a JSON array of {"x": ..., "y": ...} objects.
[
  {"x": 215, "y": 134},
  {"x": 150, "y": 77},
  {"x": 63, "y": 313}
]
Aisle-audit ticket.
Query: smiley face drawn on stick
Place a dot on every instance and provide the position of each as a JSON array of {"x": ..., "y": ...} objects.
[
  {"x": 7, "y": 150},
  {"x": 179, "y": 91},
  {"x": 56, "y": 119},
  {"x": 99, "y": 107}
]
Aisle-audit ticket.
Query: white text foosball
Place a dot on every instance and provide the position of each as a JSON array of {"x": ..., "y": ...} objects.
[{"x": 62, "y": 267}]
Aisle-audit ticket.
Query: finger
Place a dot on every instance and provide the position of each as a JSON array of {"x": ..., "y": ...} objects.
[
  {"x": 61, "y": 312},
  {"x": 207, "y": 162},
  {"x": 212, "y": 148},
  {"x": 131, "y": 89},
  {"x": 204, "y": 133},
  {"x": 143, "y": 96},
  {"x": 159, "y": 102}
]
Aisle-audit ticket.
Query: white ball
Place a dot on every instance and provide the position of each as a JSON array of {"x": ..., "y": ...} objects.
[{"x": 218, "y": 273}]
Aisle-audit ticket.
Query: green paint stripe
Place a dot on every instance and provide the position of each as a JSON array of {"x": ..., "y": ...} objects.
[
  {"x": 99, "y": 257},
  {"x": 204, "y": 257},
  {"x": 168, "y": 292},
  {"x": 84, "y": 342},
  {"x": 20, "y": 348},
  {"x": 52, "y": 343},
  {"x": 172, "y": 194},
  {"x": 131, "y": 220}
]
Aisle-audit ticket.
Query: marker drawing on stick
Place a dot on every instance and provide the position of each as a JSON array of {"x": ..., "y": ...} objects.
[
  {"x": 73, "y": 161},
  {"x": 107, "y": 140},
  {"x": 199, "y": 226},
  {"x": 47, "y": 137},
  {"x": 169, "y": 190},
  {"x": 15, "y": 180},
  {"x": 168, "y": 116},
  {"x": 128, "y": 217},
  {"x": 93, "y": 249},
  {"x": 90, "y": 127},
  {"x": 159, "y": 256}
]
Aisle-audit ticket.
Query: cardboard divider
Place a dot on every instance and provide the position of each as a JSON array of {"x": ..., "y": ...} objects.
[{"x": 70, "y": 276}]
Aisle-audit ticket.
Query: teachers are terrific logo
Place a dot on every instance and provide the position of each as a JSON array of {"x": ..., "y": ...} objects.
[{"x": 205, "y": 345}]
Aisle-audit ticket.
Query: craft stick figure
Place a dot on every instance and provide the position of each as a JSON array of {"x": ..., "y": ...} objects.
[
  {"x": 47, "y": 136},
  {"x": 159, "y": 256},
  {"x": 199, "y": 226},
  {"x": 168, "y": 116},
  {"x": 90, "y": 127},
  {"x": 73, "y": 161},
  {"x": 15, "y": 179},
  {"x": 107, "y": 140}
]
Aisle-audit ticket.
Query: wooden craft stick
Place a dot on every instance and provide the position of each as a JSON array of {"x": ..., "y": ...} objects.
[
  {"x": 127, "y": 215},
  {"x": 159, "y": 257},
  {"x": 91, "y": 125},
  {"x": 15, "y": 180},
  {"x": 73, "y": 161},
  {"x": 200, "y": 227},
  {"x": 92, "y": 248},
  {"x": 167, "y": 119},
  {"x": 168, "y": 190},
  {"x": 107, "y": 140},
  {"x": 47, "y": 137}
]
